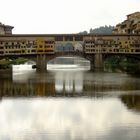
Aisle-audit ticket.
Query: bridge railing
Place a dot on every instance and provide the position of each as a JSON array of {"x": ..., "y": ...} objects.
[{"x": 73, "y": 52}]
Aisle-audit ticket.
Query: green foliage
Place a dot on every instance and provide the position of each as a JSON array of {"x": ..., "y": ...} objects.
[
  {"x": 123, "y": 64},
  {"x": 83, "y": 33},
  {"x": 19, "y": 60},
  {"x": 101, "y": 30},
  {"x": 113, "y": 60},
  {"x": 121, "y": 61},
  {"x": 5, "y": 63}
]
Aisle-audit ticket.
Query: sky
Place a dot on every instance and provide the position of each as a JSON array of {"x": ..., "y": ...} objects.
[{"x": 63, "y": 16}]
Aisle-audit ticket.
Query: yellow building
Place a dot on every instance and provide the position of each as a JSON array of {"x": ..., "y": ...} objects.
[
  {"x": 112, "y": 44},
  {"x": 129, "y": 26}
]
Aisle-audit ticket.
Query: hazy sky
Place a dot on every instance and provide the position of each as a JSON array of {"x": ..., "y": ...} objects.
[{"x": 64, "y": 16}]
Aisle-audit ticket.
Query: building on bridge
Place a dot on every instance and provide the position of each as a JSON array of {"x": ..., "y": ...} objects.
[
  {"x": 111, "y": 44},
  {"x": 5, "y": 29},
  {"x": 47, "y": 44},
  {"x": 130, "y": 26},
  {"x": 44, "y": 47},
  {"x": 24, "y": 46}
]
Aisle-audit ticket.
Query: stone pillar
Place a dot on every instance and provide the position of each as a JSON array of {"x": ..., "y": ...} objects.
[
  {"x": 92, "y": 67},
  {"x": 64, "y": 87},
  {"x": 98, "y": 61},
  {"x": 41, "y": 63}
]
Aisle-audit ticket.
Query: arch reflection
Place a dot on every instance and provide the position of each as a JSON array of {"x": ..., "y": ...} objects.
[{"x": 69, "y": 82}]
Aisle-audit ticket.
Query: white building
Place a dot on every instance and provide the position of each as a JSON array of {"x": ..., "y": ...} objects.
[{"x": 5, "y": 29}]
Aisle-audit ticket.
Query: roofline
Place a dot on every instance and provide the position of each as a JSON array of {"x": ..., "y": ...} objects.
[
  {"x": 9, "y": 26},
  {"x": 53, "y": 35},
  {"x": 132, "y": 13},
  {"x": 2, "y": 25}
]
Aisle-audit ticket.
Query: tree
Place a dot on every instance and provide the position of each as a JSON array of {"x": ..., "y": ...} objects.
[
  {"x": 101, "y": 30},
  {"x": 84, "y": 32}
]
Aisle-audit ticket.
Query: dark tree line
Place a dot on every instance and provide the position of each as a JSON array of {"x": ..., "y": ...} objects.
[{"x": 101, "y": 30}]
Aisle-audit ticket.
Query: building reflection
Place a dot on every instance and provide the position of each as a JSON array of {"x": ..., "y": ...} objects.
[
  {"x": 132, "y": 102},
  {"x": 45, "y": 84},
  {"x": 67, "y": 83}
]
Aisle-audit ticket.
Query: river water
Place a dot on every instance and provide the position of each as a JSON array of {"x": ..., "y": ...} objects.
[{"x": 69, "y": 102}]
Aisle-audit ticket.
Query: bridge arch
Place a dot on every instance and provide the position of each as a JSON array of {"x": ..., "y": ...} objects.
[
  {"x": 68, "y": 62},
  {"x": 42, "y": 59}
]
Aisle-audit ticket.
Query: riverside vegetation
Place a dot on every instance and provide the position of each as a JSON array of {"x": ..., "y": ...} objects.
[
  {"x": 129, "y": 65},
  {"x": 6, "y": 62}
]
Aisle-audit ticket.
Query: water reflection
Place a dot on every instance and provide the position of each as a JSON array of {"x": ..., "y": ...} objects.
[
  {"x": 131, "y": 101},
  {"x": 69, "y": 82},
  {"x": 91, "y": 105},
  {"x": 67, "y": 119}
]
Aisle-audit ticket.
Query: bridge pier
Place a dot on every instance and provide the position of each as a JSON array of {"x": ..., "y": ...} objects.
[
  {"x": 98, "y": 61},
  {"x": 42, "y": 59},
  {"x": 92, "y": 67},
  {"x": 41, "y": 63}
]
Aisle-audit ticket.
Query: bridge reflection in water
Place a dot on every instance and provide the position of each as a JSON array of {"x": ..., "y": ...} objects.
[
  {"x": 68, "y": 82},
  {"x": 82, "y": 104}
]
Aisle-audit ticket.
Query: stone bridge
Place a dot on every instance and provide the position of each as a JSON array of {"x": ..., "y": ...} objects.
[
  {"x": 42, "y": 48},
  {"x": 42, "y": 59},
  {"x": 96, "y": 60}
]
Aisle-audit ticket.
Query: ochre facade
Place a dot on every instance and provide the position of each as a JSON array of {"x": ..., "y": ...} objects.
[
  {"x": 129, "y": 26},
  {"x": 47, "y": 44}
]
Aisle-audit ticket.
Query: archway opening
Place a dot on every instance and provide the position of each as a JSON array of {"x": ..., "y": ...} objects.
[{"x": 68, "y": 63}]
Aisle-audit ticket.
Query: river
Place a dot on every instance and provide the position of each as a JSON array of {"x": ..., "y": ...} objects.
[{"x": 69, "y": 102}]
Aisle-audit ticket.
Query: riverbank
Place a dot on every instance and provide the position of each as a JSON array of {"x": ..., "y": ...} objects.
[
  {"x": 6, "y": 63},
  {"x": 6, "y": 73},
  {"x": 123, "y": 64}
]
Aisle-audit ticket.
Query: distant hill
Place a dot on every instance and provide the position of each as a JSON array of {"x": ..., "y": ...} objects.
[
  {"x": 101, "y": 30},
  {"x": 84, "y": 32}
]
